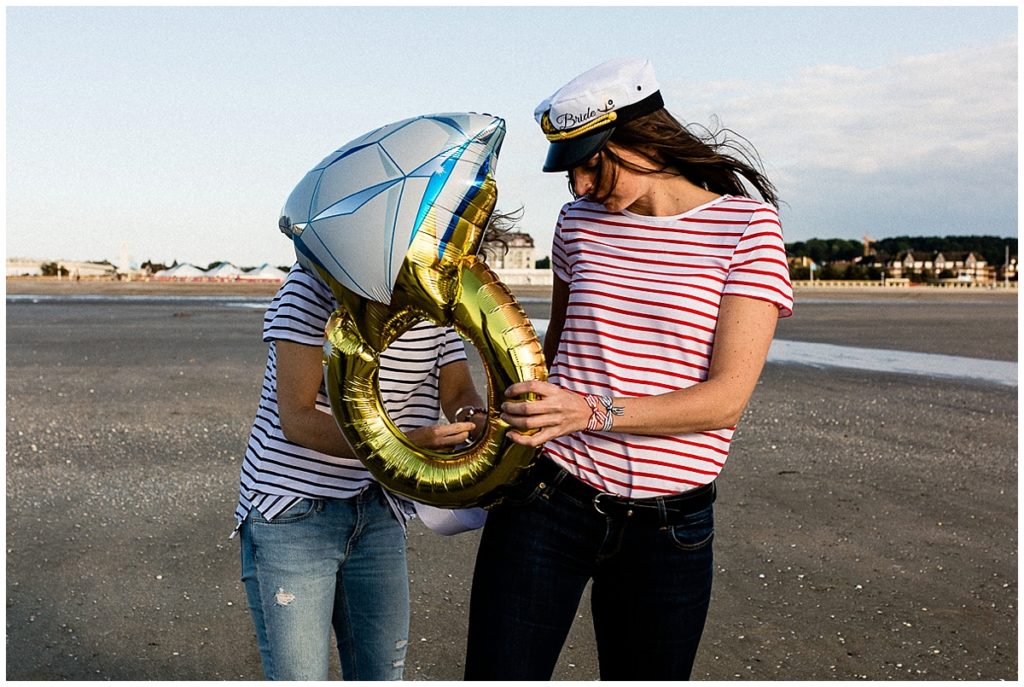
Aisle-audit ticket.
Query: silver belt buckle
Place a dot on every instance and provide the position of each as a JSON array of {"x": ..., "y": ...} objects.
[{"x": 597, "y": 506}]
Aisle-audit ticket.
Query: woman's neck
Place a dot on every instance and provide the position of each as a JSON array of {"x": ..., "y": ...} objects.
[{"x": 670, "y": 195}]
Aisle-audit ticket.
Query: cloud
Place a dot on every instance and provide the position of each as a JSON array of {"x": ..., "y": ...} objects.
[
  {"x": 938, "y": 131},
  {"x": 871, "y": 119}
]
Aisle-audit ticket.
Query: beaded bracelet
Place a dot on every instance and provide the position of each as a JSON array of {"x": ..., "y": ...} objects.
[{"x": 602, "y": 412}]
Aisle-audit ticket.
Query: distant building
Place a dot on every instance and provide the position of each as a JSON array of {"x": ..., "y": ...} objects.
[
  {"x": 1007, "y": 271},
  {"x": 24, "y": 267},
  {"x": 78, "y": 269},
  {"x": 517, "y": 266},
  {"x": 73, "y": 269},
  {"x": 520, "y": 255},
  {"x": 911, "y": 264},
  {"x": 965, "y": 267}
]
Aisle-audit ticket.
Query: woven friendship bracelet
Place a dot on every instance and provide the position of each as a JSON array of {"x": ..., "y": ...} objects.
[
  {"x": 602, "y": 412},
  {"x": 597, "y": 415}
]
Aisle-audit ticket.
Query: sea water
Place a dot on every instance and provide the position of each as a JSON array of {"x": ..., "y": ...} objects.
[
  {"x": 880, "y": 360},
  {"x": 783, "y": 351}
]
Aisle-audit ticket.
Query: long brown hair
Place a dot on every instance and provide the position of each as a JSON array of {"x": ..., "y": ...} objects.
[{"x": 718, "y": 161}]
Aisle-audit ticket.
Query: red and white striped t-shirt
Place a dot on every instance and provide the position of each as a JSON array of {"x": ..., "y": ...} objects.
[{"x": 644, "y": 294}]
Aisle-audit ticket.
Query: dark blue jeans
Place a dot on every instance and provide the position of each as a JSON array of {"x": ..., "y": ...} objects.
[{"x": 652, "y": 585}]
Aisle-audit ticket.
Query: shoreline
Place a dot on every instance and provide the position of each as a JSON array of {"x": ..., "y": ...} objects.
[{"x": 44, "y": 286}]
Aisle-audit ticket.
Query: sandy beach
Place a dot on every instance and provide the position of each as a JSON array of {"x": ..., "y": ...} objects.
[{"x": 866, "y": 523}]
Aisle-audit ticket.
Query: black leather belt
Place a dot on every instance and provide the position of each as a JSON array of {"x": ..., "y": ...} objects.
[{"x": 546, "y": 475}]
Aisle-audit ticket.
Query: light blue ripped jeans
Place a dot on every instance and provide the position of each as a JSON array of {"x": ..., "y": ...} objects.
[{"x": 327, "y": 562}]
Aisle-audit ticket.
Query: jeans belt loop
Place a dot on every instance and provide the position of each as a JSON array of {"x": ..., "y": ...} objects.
[{"x": 559, "y": 477}]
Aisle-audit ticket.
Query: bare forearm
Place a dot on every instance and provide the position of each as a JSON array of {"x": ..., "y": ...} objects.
[
  {"x": 457, "y": 389},
  {"x": 551, "y": 339},
  {"x": 702, "y": 407},
  {"x": 317, "y": 430},
  {"x": 556, "y": 321}
]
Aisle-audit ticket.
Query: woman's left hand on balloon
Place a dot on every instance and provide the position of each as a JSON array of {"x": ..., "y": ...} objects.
[
  {"x": 555, "y": 412},
  {"x": 441, "y": 437}
]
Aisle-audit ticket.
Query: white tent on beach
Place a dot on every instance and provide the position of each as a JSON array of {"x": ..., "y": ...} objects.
[
  {"x": 224, "y": 271},
  {"x": 182, "y": 271},
  {"x": 264, "y": 272}
]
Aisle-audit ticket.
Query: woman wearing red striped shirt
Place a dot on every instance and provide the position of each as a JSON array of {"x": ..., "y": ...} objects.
[{"x": 668, "y": 284}]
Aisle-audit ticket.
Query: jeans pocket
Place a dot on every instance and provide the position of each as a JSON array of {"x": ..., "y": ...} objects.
[
  {"x": 300, "y": 510},
  {"x": 695, "y": 531}
]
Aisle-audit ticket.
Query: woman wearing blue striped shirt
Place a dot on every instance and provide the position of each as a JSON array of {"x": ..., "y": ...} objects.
[{"x": 323, "y": 544}]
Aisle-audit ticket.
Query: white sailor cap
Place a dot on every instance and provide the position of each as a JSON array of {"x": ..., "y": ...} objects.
[{"x": 579, "y": 118}]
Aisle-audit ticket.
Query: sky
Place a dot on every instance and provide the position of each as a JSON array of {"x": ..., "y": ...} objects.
[{"x": 177, "y": 133}]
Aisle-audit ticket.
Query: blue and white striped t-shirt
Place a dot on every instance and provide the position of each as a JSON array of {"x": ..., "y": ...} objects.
[{"x": 277, "y": 472}]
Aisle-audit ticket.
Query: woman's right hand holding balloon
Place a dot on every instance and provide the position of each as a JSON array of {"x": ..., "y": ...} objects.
[{"x": 555, "y": 412}]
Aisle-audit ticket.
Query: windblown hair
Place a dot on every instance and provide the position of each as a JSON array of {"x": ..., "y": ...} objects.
[
  {"x": 495, "y": 241},
  {"x": 718, "y": 161}
]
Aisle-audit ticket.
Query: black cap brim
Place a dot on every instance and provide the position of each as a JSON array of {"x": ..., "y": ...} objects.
[{"x": 572, "y": 152}]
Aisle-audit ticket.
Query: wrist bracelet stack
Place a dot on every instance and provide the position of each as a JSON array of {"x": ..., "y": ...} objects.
[{"x": 603, "y": 412}]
